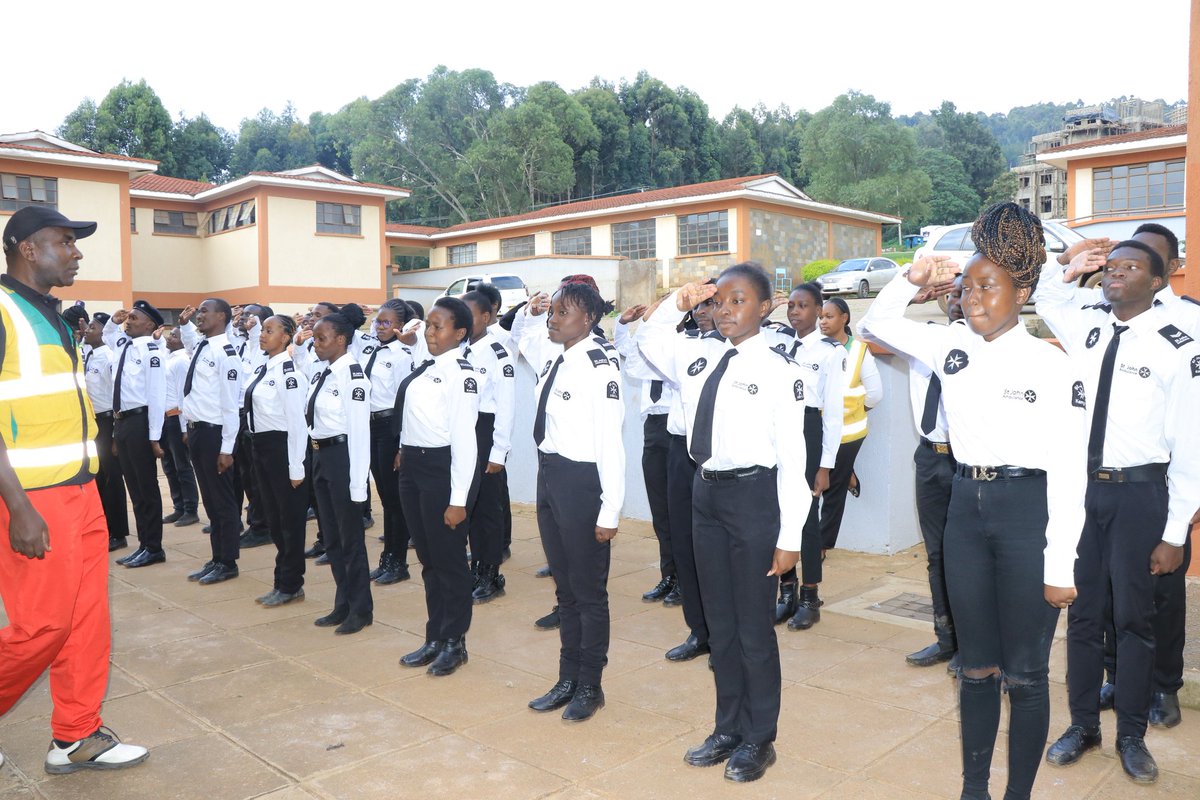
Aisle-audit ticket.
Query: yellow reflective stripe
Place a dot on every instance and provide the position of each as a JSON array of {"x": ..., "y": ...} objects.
[
  {"x": 850, "y": 428},
  {"x": 856, "y": 391},
  {"x": 41, "y": 385},
  {"x": 27, "y": 344},
  {"x": 56, "y": 455}
]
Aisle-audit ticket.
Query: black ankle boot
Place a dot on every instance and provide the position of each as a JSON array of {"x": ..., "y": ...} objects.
[
  {"x": 452, "y": 656},
  {"x": 786, "y": 605},
  {"x": 489, "y": 585},
  {"x": 808, "y": 610}
]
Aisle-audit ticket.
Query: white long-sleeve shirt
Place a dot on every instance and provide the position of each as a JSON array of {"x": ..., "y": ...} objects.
[
  {"x": 276, "y": 394},
  {"x": 98, "y": 377},
  {"x": 822, "y": 366},
  {"x": 441, "y": 407},
  {"x": 392, "y": 364},
  {"x": 343, "y": 407},
  {"x": 496, "y": 366},
  {"x": 177, "y": 367},
  {"x": 142, "y": 377},
  {"x": 216, "y": 385},
  {"x": 637, "y": 368}
]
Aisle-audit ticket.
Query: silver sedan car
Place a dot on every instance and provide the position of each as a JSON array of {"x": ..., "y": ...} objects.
[{"x": 858, "y": 276}]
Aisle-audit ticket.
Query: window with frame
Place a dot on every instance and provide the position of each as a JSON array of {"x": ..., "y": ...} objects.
[
  {"x": 238, "y": 215},
  {"x": 1025, "y": 182},
  {"x": 20, "y": 191},
  {"x": 1138, "y": 187},
  {"x": 1046, "y": 178},
  {"x": 704, "y": 233},
  {"x": 184, "y": 223},
  {"x": 575, "y": 242},
  {"x": 634, "y": 239},
  {"x": 517, "y": 247},
  {"x": 132, "y": 219},
  {"x": 462, "y": 253},
  {"x": 339, "y": 218},
  {"x": 1047, "y": 205},
  {"x": 1024, "y": 205}
]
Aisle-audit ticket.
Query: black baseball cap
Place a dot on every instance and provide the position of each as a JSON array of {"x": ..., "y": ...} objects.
[{"x": 31, "y": 219}]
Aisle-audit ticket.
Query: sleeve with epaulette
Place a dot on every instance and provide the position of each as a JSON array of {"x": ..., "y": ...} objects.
[
  {"x": 504, "y": 378},
  {"x": 355, "y": 391},
  {"x": 295, "y": 395},
  {"x": 156, "y": 388},
  {"x": 1183, "y": 438},
  {"x": 230, "y": 379},
  {"x": 884, "y": 322},
  {"x": 1063, "y": 436},
  {"x": 790, "y": 454},
  {"x": 462, "y": 398},
  {"x": 112, "y": 334},
  {"x": 608, "y": 416}
]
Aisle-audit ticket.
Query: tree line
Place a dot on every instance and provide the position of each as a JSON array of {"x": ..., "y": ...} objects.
[{"x": 471, "y": 147}]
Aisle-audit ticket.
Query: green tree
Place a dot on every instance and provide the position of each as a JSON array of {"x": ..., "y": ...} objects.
[
  {"x": 80, "y": 125},
  {"x": 200, "y": 151},
  {"x": 272, "y": 143},
  {"x": 951, "y": 199},
  {"x": 1002, "y": 190},
  {"x": 335, "y": 135},
  {"x": 673, "y": 140},
  {"x": 601, "y": 174},
  {"x": 131, "y": 120},
  {"x": 969, "y": 140},
  {"x": 739, "y": 150}
]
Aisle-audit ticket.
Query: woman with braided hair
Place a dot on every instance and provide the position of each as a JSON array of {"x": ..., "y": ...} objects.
[{"x": 1017, "y": 419}]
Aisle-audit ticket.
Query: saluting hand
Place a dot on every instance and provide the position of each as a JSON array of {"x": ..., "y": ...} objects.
[
  {"x": 783, "y": 561},
  {"x": 632, "y": 313},
  {"x": 454, "y": 515},
  {"x": 539, "y": 304},
  {"x": 120, "y": 315},
  {"x": 605, "y": 534},
  {"x": 1059, "y": 596},
  {"x": 932, "y": 292},
  {"x": 1085, "y": 262},
  {"x": 931, "y": 270},
  {"x": 693, "y": 294},
  {"x": 1101, "y": 243},
  {"x": 27, "y": 532},
  {"x": 185, "y": 315}
]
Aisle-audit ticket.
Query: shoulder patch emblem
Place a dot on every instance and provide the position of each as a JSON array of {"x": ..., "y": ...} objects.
[
  {"x": 356, "y": 371},
  {"x": 470, "y": 386},
  {"x": 798, "y": 389},
  {"x": 508, "y": 371},
  {"x": 359, "y": 393},
  {"x": 464, "y": 364},
  {"x": 231, "y": 375},
  {"x": 1078, "y": 396},
  {"x": 692, "y": 333},
  {"x": 1175, "y": 336},
  {"x": 697, "y": 366},
  {"x": 598, "y": 357},
  {"x": 499, "y": 350},
  {"x": 1092, "y": 337},
  {"x": 151, "y": 346},
  {"x": 288, "y": 366},
  {"x": 1195, "y": 366},
  {"x": 955, "y": 360},
  {"x": 230, "y": 350},
  {"x": 614, "y": 391},
  {"x": 154, "y": 362},
  {"x": 1192, "y": 300},
  {"x": 291, "y": 383}
]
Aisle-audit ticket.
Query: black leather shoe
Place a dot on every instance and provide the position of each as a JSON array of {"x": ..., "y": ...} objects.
[
  {"x": 559, "y": 695},
  {"x": 452, "y": 656},
  {"x": 322, "y": 560},
  {"x": 1164, "y": 710},
  {"x": 189, "y": 518},
  {"x": 674, "y": 597},
  {"x": 785, "y": 606},
  {"x": 218, "y": 574},
  {"x": 489, "y": 586},
  {"x": 955, "y": 664},
  {"x": 660, "y": 590},
  {"x": 927, "y": 657},
  {"x": 395, "y": 573},
  {"x": 584, "y": 704},
  {"x": 423, "y": 655},
  {"x": 544, "y": 572},
  {"x": 749, "y": 762},
  {"x": 713, "y": 751},
  {"x": 117, "y": 543},
  {"x": 207, "y": 528},
  {"x": 122, "y": 560},
  {"x": 200, "y": 573},
  {"x": 1108, "y": 693},
  {"x": 688, "y": 650},
  {"x": 169, "y": 518},
  {"x": 808, "y": 610},
  {"x": 310, "y": 515},
  {"x": 353, "y": 624},
  {"x": 548, "y": 622},
  {"x": 277, "y": 598},
  {"x": 1136, "y": 759},
  {"x": 317, "y": 549},
  {"x": 1071, "y": 746},
  {"x": 253, "y": 538},
  {"x": 334, "y": 617},
  {"x": 146, "y": 559},
  {"x": 368, "y": 522}
]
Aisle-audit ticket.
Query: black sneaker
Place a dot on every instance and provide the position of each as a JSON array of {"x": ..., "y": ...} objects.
[{"x": 548, "y": 622}]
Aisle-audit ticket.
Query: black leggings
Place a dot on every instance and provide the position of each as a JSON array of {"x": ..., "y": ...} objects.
[
  {"x": 833, "y": 501},
  {"x": 387, "y": 483}
]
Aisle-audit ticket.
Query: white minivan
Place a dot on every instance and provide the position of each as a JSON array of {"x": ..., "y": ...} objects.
[{"x": 512, "y": 288}]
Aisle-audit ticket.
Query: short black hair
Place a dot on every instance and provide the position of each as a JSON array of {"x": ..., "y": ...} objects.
[
  {"x": 1158, "y": 267},
  {"x": 418, "y": 310},
  {"x": 333, "y": 307},
  {"x": 753, "y": 272},
  {"x": 584, "y": 297},
  {"x": 76, "y": 314},
  {"x": 492, "y": 293},
  {"x": 353, "y": 314},
  {"x": 812, "y": 288},
  {"x": 341, "y": 325},
  {"x": 464, "y": 320},
  {"x": 1163, "y": 231},
  {"x": 480, "y": 300},
  {"x": 402, "y": 309},
  {"x": 286, "y": 322},
  {"x": 222, "y": 306}
]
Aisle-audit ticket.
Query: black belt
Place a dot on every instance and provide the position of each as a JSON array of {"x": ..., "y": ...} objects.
[
  {"x": 104, "y": 415},
  {"x": 1146, "y": 473},
  {"x": 330, "y": 442},
  {"x": 133, "y": 412},
  {"x": 1001, "y": 473},
  {"x": 812, "y": 410},
  {"x": 192, "y": 425},
  {"x": 714, "y": 475},
  {"x": 384, "y": 414},
  {"x": 941, "y": 448}
]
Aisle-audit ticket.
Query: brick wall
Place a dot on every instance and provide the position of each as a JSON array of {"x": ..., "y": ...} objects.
[
  {"x": 787, "y": 241},
  {"x": 850, "y": 241}
]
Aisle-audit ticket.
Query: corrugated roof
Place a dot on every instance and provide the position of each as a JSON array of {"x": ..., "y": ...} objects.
[
  {"x": 1137, "y": 136},
  {"x": 168, "y": 185}
]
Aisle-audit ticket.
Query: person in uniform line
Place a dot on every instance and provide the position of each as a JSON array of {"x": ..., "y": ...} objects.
[
  {"x": 210, "y": 411},
  {"x": 436, "y": 412},
  {"x": 177, "y": 464},
  {"x": 501, "y": 334},
  {"x": 821, "y": 362},
  {"x": 110, "y": 483},
  {"x": 493, "y": 436},
  {"x": 1143, "y": 474},
  {"x": 386, "y": 367},
  {"x": 139, "y": 406},
  {"x": 53, "y": 559},
  {"x": 248, "y": 328},
  {"x": 747, "y": 514},
  {"x": 338, "y": 412},
  {"x": 308, "y": 363},
  {"x": 1016, "y": 506}
]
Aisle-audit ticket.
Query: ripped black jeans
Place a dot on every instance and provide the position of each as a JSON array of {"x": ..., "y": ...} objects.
[{"x": 995, "y": 535}]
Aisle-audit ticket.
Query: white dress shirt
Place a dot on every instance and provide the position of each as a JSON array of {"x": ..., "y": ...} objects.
[
  {"x": 98, "y": 377},
  {"x": 278, "y": 400},
  {"x": 216, "y": 385},
  {"x": 822, "y": 367},
  {"x": 1014, "y": 401},
  {"x": 343, "y": 408},
  {"x": 441, "y": 407},
  {"x": 392, "y": 364},
  {"x": 143, "y": 381},
  {"x": 177, "y": 367},
  {"x": 636, "y": 368},
  {"x": 497, "y": 392}
]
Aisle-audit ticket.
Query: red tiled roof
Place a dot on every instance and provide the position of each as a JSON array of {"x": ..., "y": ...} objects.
[
  {"x": 163, "y": 183},
  {"x": 1137, "y": 136},
  {"x": 419, "y": 230},
  {"x": 77, "y": 153},
  {"x": 329, "y": 182}
]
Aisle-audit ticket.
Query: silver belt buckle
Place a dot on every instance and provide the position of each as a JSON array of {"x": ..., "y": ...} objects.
[{"x": 983, "y": 474}]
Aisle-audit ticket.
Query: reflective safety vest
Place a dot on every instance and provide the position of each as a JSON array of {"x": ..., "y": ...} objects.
[
  {"x": 46, "y": 418},
  {"x": 854, "y": 402}
]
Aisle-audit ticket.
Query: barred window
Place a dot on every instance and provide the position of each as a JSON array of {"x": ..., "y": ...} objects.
[
  {"x": 634, "y": 239},
  {"x": 238, "y": 215},
  {"x": 517, "y": 247},
  {"x": 1137, "y": 187},
  {"x": 181, "y": 222},
  {"x": 19, "y": 191},
  {"x": 704, "y": 233},
  {"x": 462, "y": 253},
  {"x": 132, "y": 219},
  {"x": 575, "y": 242},
  {"x": 338, "y": 218}
]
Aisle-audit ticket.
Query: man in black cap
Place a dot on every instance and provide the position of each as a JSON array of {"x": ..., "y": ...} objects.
[
  {"x": 54, "y": 556},
  {"x": 139, "y": 407}
]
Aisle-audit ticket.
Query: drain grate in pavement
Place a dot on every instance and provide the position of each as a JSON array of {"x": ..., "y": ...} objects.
[{"x": 907, "y": 605}]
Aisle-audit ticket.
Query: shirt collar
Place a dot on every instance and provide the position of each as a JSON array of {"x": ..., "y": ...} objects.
[
  {"x": 751, "y": 343},
  {"x": 1148, "y": 321},
  {"x": 218, "y": 341},
  {"x": 451, "y": 355},
  {"x": 344, "y": 362},
  {"x": 29, "y": 293},
  {"x": 278, "y": 357}
]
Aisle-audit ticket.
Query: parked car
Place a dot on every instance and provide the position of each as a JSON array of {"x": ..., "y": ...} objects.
[
  {"x": 858, "y": 276},
  {"x": 955, "y": 241},
  {"x": 512, "y": 288}
]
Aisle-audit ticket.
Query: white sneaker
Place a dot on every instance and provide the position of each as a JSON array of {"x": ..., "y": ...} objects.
[{"x": 101, "y": 750}]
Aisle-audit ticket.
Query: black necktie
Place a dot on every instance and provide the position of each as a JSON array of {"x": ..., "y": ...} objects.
[
  {"x": 248, "y": 403},
  {"x": 371, "y": 361},
  {"x": 398, "y": 413},
  {"x": 933, "y": 396},
  {"x": 655, "y": 391},
  {"x": 1100, "y": 411},
  {"x": 310, "y": 413},
  {"x": 86, "y": 359},
  {"x": 702, "y": 428},
  {"x": 120, "y": 373},
  {"x": 539, "y": 419},
  {"x": 187, "y": 381}
]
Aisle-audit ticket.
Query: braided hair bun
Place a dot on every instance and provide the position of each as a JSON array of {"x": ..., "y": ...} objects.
[{"x": 1012, "y": 238}]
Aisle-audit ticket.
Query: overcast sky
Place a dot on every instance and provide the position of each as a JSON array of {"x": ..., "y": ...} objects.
[{"x": 229, "y": 60}]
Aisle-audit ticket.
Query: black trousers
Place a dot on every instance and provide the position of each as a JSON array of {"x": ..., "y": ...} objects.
[
  {"x": 810, "y": 537},
  {"x": 255, "y": 520},
  {"x": 656, "y": 444},
  {"x": 487, "y": 514},
  {"x": 387, "y": 484},
  {"x": 284, "y": 507},
  {"x": 140, "y": 469},
  {"x": 217, "y": 492},
  {"x": 934, "y": 478},
  {"x": 425, "y": 494},
  {"x": 506, "y": 505},
  {"x": 312, "y": 490},
  {"x": 177, "y": 466},
  {"x": 681, "y": 472},
  {"x": 833, "y": 502},
  {"x": 1124, "y": 523},
  {"x": 345, "y": 540},
  {"x": 568, "y": 502},
  {"x": 735, "y": 525},
  {"x": 110, "y": 481}
]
